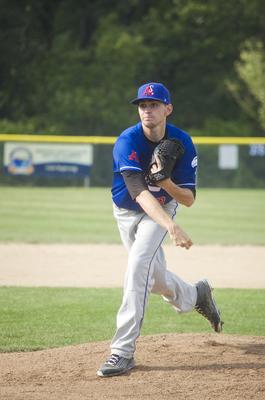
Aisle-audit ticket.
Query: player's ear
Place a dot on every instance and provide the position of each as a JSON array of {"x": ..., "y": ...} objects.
[{"x": 169, "y": 108}]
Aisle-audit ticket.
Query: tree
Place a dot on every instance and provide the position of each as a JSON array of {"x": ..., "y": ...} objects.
[
  {"x": 63, "y": 58},
  {"x": 251, "y": 71}
]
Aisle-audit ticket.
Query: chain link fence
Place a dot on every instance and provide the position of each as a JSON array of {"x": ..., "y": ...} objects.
[{"x": 220, "y": 165}]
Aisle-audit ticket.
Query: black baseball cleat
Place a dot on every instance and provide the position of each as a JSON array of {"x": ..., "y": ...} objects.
[
  {"x": 206, "y": 305},
  {"x": 115, "y": 365}
]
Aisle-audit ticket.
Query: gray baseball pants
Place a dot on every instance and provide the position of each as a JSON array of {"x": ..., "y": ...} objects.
[{"x": 146, "y": 272}]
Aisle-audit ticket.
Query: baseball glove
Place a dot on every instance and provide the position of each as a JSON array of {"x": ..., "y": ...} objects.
[{"x": 168, "y": 151}]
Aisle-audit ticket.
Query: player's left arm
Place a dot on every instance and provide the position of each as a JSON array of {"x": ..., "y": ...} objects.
[
  {"x": 181, "y": 185},
  {"x": 181, "y": 195}
]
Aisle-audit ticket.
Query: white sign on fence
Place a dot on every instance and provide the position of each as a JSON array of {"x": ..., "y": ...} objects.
[
  {"x": 228, "y": 156},
  {"x": 47, "y": 159}
]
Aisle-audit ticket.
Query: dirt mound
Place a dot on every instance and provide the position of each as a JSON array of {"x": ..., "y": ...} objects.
[{"x": 175, "y": 366}]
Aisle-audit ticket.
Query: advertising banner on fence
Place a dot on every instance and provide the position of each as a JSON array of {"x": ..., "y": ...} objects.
[{"x": 47, "y": 159}]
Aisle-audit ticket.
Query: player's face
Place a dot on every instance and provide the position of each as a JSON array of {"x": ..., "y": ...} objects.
[{"x": 153, "y": 113}]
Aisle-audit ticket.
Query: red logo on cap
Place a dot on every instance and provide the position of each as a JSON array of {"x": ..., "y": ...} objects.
[
  {"x": 133, "y": 156},
  {"x": 149, "y": 91}
]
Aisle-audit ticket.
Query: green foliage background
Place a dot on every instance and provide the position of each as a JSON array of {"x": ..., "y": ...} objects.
[{"x": 71, "y": 66}]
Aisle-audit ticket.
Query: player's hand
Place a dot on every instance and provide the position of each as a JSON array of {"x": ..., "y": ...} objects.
[
  {"x": 156, "y": 167},
  {"x": 178, "y": 236}
]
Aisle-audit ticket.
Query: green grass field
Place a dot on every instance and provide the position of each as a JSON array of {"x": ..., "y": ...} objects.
[
  {"x": 35, "y": 318},
  {"x": 79, "y": 215}
]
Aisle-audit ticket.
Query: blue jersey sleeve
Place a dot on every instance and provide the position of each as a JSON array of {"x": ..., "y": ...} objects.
[
  {"x": 185, "y": 171},
  {"x": 126, "y": 155}
]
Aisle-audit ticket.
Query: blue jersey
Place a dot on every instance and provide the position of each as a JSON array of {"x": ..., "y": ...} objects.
[{"x": 133, "y": 152}]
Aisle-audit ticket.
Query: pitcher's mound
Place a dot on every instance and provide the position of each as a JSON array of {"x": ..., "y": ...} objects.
[{"x": 175, "y": 366}]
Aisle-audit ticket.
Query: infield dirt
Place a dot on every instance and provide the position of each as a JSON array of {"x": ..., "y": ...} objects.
[
  {"x": 94, "y": 265},
  {"x": 175, "y": 366},
  {"x": 183, "y": 366}
]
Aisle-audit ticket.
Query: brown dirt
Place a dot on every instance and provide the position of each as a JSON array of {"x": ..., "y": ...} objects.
[
  {"x": 91, "y": 265},
  {"x": 175, "y": 366},
  {"x": 179, "y": 367}
]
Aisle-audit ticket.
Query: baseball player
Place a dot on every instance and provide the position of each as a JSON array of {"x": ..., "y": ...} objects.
[{"x": 146, "y": 195}]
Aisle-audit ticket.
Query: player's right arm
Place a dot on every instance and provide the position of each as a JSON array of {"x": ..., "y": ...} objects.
[{"x": 152, "y": 207}]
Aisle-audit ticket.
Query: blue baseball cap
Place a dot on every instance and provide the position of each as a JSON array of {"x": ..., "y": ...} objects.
[{"x": 153, "y": 91}]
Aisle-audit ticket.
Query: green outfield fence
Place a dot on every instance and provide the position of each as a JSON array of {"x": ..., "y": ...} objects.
[{"x": 250, "y": 171}]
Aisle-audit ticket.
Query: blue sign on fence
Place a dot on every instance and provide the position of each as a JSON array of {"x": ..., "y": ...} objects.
[{"x": 47, "y": 159}]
